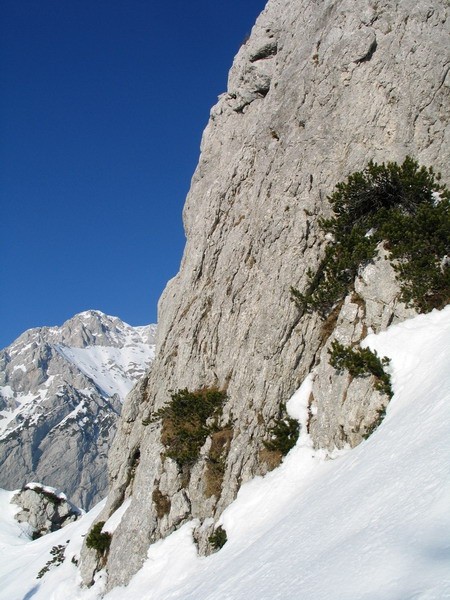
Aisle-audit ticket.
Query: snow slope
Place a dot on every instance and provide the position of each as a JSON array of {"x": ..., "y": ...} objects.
[
  {"x": 113, "y": 370},
  {"x": 367, "y": 524}
]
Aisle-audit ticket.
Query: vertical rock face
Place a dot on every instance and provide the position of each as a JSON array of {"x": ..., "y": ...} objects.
[
  {"x": 61, "y": 390},
  {"x": 319, "y": 89}
]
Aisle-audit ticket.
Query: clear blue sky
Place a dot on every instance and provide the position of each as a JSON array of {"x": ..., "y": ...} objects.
[{"x": 102, "y": 106}]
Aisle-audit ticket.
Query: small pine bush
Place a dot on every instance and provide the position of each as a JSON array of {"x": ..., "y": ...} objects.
[
  {"x": 57, "y": 553},
  {"x": 361, "y": 362},
  {"x": 421, "y": 244},
  {"x": 188, "y": 420},
  {"x": 283, "y": 435},
  {"x": 218, "y": 538},
  {"x": 403, "y": 206},
  {"x": 97, "y": 540}
]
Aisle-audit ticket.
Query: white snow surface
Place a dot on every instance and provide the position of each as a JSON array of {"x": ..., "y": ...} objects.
[
  {"x": 113, "y": 370},
  {"x": 33, "y": 485},
  {"x": 48, "y": 489},
  {"x": 372, "y": 523}
]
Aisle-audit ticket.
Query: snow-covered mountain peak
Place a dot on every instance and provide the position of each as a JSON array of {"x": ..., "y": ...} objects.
[
  {"x": 90, "y": 328},
  {"x": 95, "y": 328},
  {"x": 62, "y": 382},
  {"x": 111, "y": 347}
]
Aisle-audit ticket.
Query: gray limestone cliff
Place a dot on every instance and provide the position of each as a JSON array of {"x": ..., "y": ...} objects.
[
  {"x": 61, "y": 393},
  {"x": 319, "y": 89}
]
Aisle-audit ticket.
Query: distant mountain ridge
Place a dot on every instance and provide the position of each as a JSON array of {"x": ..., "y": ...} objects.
[{"x": 61, "y": 390}]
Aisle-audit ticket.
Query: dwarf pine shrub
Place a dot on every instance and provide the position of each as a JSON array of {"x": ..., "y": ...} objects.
[
  {"x": 403, "y": 206},
  {"x": 98, "y": 540},
  {"x": 188, "y": 420},
  {"x": 283, "y": 435},
  {"x": 361, "y": 362},
  {"x": 218, "y": 538},
  {"x": 57, "y": 559}
]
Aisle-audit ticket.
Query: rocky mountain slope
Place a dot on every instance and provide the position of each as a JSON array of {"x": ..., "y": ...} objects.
[
  {"x": 319, "y": 90},
  {"x": 61, "y": 391}
]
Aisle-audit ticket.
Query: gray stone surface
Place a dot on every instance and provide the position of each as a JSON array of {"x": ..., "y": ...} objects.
[
  {"x": 44, "y": 509},
  {"x": 319, "y": 89},
  {"x": 61, "y": 392},
  {"x": 344, "y": 409}
]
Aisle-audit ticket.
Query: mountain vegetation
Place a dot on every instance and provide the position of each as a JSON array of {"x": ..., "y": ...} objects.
[
  {"x": 188, "y": 420},
  {"x": 407, "y": 210}
]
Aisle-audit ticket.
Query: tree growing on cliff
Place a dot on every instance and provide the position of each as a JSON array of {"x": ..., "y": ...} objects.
[{"x": 404, "y": 207}]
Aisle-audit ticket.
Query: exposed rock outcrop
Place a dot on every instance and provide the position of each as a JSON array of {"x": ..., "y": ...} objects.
[
  {"x": 343, "y": 409},
  {"x": 44, "y": 509},
  {"x": 61, "y": 392},
  {"x": 319, "y": 89}
]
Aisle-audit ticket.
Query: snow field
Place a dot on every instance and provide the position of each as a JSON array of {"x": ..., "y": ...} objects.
[{"x": 372, "y": 523}]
